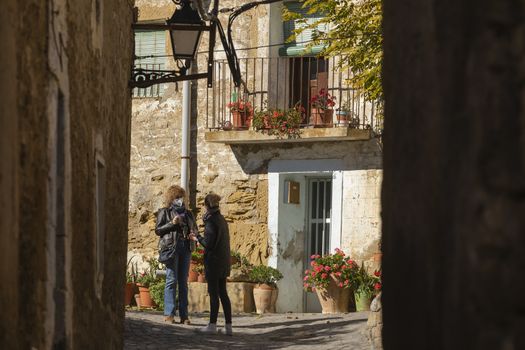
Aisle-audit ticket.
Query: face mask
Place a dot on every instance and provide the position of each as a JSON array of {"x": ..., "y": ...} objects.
[{"x": 178, "y": 202}]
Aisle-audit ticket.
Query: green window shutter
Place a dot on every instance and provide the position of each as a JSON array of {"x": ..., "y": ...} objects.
[
  {"x": 297, "y": 47},
  {"x": 151, "y": 51}
]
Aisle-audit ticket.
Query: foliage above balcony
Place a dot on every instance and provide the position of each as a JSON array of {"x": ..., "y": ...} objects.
[{"x": 354, "y": 32}]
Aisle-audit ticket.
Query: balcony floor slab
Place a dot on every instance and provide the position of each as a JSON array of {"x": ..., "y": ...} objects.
[{"x": 307, "y": 135}]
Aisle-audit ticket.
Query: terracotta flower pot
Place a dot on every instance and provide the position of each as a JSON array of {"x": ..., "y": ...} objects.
[
  {"x": 265, "y": 297},
  {"x": 192, "y": 275},
  {"x": 201, "y": 278},
  {"x": 239, "y": 119},
  {"x": 333, "y": 299},
  {"x": 129, "y": 292},
  {"x": 145, "y": 297},
  {"x": 137, "y": 300},
  {"x": 321, "y": 117}
]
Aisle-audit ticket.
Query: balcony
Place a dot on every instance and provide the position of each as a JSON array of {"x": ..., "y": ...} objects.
[{"x": 283, "y": 84}]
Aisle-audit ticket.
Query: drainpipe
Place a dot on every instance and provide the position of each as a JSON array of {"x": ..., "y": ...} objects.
[{"x": 185, "y": 155}]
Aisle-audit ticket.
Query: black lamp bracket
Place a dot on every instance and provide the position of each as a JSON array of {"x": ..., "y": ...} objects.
[{"x": 142, "y": 78}]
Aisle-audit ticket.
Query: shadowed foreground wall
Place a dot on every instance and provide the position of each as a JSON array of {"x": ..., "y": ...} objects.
[
  {"x": 454, "y": 175},
  {"x": 64, "y": 101}
]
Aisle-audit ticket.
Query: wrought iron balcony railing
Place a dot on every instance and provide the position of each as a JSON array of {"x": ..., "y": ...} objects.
[{"x": 284, "y": 82}]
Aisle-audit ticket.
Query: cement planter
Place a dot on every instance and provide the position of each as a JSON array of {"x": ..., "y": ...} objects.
[
  {"x": 333, "y": 299},
  {"x": 265, "y": 297},
  {"x": 362, "y": 301}
]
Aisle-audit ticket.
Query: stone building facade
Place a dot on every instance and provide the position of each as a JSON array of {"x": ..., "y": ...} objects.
[
  {"x": 65, "y": 137},
  {"x": 252, "y": 171}
]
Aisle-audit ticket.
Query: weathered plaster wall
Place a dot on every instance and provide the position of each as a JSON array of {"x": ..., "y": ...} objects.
[
  {"x": 9, "y": 153},
  {"x": 51, "y": 46},
  {"x": 100, "y": 111},
  {"x": 454, "y": 176},
  {"x": 361, "y": 224},
  {"x": 32, "y": 85}
]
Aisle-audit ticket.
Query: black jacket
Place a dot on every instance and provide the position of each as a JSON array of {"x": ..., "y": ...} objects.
[
  {"x": 170, "y": 233},
  {"x": 216, "y": 242}
]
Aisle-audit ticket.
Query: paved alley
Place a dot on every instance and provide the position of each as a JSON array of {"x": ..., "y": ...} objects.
[{"x": 146, "y": 330}]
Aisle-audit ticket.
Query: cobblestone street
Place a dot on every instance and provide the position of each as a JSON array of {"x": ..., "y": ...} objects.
[{"x": 146, "y": 330}]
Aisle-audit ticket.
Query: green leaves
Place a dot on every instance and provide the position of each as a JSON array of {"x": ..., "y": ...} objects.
[
  {"x": 355, "y": 33},
  {"x": 265, "y": 274}
]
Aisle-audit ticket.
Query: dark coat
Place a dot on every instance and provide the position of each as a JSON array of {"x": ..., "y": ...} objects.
[
  {"x": 216, "y": 242},
  {"x": 170, "y": 233}
]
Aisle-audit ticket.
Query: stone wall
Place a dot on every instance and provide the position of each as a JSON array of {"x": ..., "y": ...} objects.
[
  {"x": 65, "y": 68},
  {"x": 100, "y": 110},
  {"x": 156, "y": 147}
]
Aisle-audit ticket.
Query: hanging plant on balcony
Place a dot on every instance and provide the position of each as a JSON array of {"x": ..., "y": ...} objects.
[{"x": 279, "y": 122}]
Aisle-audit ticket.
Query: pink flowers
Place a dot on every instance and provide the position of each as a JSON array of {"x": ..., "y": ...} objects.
[
  {"x": 240, "y": 106},
  {"x": 377, "y": 286},
  {"x": 332, "y": 268}
]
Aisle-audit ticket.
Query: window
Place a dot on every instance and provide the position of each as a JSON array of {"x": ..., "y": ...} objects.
[
  {"x": 150, "y": 53},
  {"x": 298, "y": 47},
  {"x": 308, "y": 76}
]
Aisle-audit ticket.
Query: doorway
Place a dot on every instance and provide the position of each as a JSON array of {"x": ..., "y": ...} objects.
[{"x": 318, "y": 228}]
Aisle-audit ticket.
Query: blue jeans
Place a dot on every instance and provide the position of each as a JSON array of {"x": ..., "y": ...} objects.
[{"x": 177, "y": 275}]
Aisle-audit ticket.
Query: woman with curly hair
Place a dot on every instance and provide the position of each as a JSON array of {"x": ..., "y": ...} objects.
[{"x": 174, "y": 225}]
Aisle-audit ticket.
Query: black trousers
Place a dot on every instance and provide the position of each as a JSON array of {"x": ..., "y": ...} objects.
[{"x": 217, "y": 290}]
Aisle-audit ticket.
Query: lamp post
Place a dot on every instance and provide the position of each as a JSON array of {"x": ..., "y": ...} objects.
[{"x": 185, "y": 28}]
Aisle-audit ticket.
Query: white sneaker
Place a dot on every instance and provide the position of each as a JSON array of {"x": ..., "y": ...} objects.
[
  {"x": 228, "y": 330},
  {"x": 211, "y": 328}
]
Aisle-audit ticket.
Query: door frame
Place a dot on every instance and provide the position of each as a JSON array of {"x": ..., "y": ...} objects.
[{"x": 320, "y": 167}]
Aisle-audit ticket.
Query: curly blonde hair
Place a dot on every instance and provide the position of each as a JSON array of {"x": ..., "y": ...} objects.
[{"x": 172, "y": 193}]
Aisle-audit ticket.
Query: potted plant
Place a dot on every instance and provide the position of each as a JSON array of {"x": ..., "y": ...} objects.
[
  {"x": 365, "y": 287},
  {"x": 131, "y": 280},
  {"x": 197, "y": 257},
  {"x": 265, "y": 292},
  {"x": 286, "y": 123},
  {"x": 199, "y": 269},
  {"x": 331, "y": 277},
  {"x": 242, "y": 112},
  {"x": 261, "y": 120},
  {"x": 322, "y": 109},
  {"x": 156, "y": 291},
  {"x": 147, "y": 278},
  {"x": 240, "y": 268}
]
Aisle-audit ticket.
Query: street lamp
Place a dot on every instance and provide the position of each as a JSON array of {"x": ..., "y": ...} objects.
[{"x": 185, "y": 28}]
